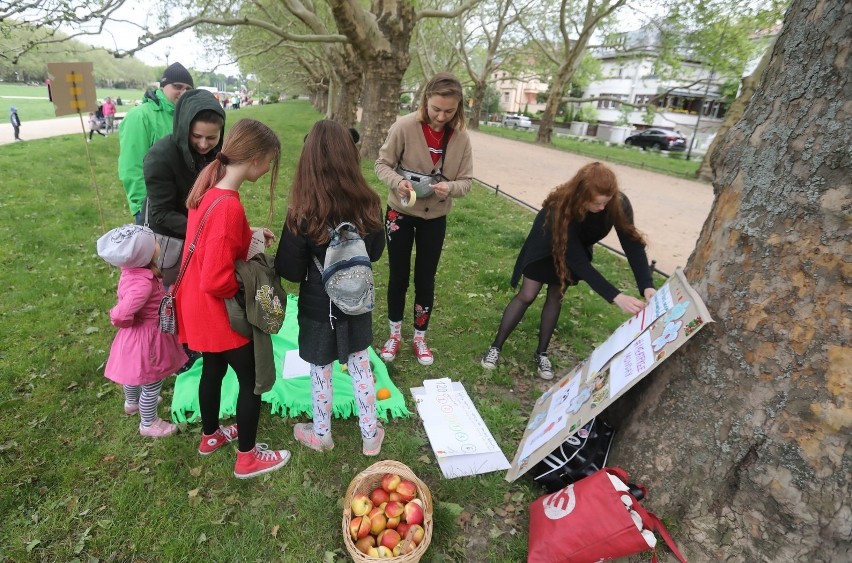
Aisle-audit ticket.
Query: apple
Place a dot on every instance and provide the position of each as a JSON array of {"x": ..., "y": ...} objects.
[
  {"x": 406, "y": 490},
  {"x": 416, "y": 533},
  {"x": 359, "y": 527},
  {"x": 388, "y": 538},
  {"x": 384, "y": 552},
  {"x": 378, "y": 523},
  {"x": 413, "y": 513},
  {"x": 361, "y": 504},
  {"x": 403, "y": 548},
  {"x": 394, "y": 508},
  {"x": 364, "y": 544},
  {"x": 376, "y": 510},
  {"x": 378, "y": 496},
  {"x": 402, "y": 529},
  {"x": 390, "y": 481},
  {"x": 373, "y": 552},
  {"x": 395, "y": 496},
  {"x": 393, "y": 523},
  {"x": 418, "y": 501}
]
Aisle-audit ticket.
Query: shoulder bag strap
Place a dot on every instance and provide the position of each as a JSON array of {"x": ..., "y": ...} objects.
[
  {"x": 173, "y": 289},
  {"x": 147, "y": 207},
  {"x": 444, "y": 145}
]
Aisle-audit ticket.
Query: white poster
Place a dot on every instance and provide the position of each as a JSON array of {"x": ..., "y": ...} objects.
[
  {"x": 294, "y": 366},
  {"x": 633, "y": 362},
  {"x": 453, "y": 424}
]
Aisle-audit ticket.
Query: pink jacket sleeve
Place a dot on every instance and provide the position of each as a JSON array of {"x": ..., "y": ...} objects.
[{"x": 133, "y": 293}]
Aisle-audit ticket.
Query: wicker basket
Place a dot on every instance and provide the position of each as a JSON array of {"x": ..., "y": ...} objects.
[{"x": 368, "y": 480}]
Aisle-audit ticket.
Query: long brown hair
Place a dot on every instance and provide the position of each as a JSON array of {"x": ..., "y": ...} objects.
[
  {"x": 248, "y": 139},
  {"x": 443, "y": 84},
  {"x": 567, "y": 203},
  {"x": 329, "y": 187}
]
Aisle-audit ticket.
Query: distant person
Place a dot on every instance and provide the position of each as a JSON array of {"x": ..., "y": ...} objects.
[
  {"x": 143, "y": 126},
  {"x": 108, "y": 108},
  {"x": 558, "y": 252},
  {"x": 432, "y": 145},
  {"x": 328, "y": 189},
  {"x": 118, "y": 101},
  {"x": 94, "y": 125},
  {"x": 16, "y": 122},
  {"x": 142, "y": 356}
]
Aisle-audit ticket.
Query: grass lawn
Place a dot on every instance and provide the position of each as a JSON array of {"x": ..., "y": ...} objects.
[
  {"x": 674, "y": 165},
  {"x": 80, "y": 484},
  {"x": 33, "y": 104}
]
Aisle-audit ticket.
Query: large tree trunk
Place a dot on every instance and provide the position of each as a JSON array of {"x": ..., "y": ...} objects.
[
  {"x": 380, "y": 106},
  {"x": 735, "y": 112},
  {"x": 743, "y": 437},
  {"x": 351, "y": 85}
]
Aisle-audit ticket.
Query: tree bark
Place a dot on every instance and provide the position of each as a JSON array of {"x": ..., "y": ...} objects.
[
  {"x": 473, "y": 118},
  {"x": 735, "y": 112},
  {"x": 743, "y": 437}
]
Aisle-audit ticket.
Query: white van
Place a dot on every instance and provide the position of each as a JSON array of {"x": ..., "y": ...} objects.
[{"x": 513, "y": 120}]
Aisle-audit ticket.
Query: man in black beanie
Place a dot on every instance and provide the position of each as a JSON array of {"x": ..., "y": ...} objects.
[{"x": 142, "y": 127}]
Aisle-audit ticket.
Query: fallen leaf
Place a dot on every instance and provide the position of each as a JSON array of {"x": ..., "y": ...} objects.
[
  {"x": 32, "y": 545},
  {"x": 202, "y": 537},
  {"x": 195, "y": 471},
  {"x": 275, "y": 529},
  {"x": 92, "y": 329}
]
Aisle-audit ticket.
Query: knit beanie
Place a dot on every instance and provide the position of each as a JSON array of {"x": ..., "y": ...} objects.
[
  {"x": 128, "y": 246},
  {"x": 176, "y": 73}
]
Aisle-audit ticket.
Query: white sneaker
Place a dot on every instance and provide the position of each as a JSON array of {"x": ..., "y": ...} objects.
[{"x": 544, "y": 367}]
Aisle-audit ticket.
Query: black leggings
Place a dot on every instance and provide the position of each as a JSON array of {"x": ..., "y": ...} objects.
[
  {"x": 518, "y": 306},
  {"x": 210, "y": 392},
  {"x": 403, "y": 232}
]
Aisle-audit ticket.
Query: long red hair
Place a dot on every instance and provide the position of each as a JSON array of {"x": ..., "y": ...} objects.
[
  {"x": 329, "y": 187},
  {"x": 568, "y": 203}
]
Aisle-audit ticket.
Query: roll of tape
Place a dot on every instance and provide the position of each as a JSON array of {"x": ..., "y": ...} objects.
[{"x": 409, "y": 201}]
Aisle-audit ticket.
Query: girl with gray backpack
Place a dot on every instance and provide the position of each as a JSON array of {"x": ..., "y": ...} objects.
[{"x": 333, "y": 231}]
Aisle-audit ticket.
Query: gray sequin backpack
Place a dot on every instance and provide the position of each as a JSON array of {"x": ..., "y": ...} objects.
[{"x": 347, "y": 274}]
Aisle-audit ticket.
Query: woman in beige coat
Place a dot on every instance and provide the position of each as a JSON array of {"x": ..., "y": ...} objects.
[{"x": 426, "y": 162}]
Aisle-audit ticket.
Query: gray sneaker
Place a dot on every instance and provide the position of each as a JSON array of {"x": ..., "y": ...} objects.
[
  {"x": 491, "y": 357},
  {"x": 545, "y": 368}
]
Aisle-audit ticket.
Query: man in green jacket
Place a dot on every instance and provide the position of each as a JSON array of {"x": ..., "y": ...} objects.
[{"x": 145, "y": 125}]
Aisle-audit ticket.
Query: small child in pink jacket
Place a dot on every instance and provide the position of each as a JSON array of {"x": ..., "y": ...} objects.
[{"x": 141, "y": 355}]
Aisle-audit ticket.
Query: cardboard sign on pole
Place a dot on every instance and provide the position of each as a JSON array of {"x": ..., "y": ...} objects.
[
  {"x": 72, "y": 88},
  {"x": 639, "y": 345}
]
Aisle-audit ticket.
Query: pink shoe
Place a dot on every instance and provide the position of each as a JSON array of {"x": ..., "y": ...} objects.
[
  {"x": 423, "y": 353},
  {"x": 158, "y": 429},
  {"x": 304, "y": 432},
  {"x": 373, "y": 446},
  {"x": 390, "y": 349},
  {"x": 212, "y": 442},
  {"x": 133, "y": 408},
  {"x": 258, "y": 461}
]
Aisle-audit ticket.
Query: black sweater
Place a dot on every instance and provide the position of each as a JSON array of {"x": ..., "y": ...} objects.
[{"x": 582, "y": 236}]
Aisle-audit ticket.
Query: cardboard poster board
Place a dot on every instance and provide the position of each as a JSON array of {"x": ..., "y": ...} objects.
[
  {"x": 72, "y": 88},
  {"x": 639, "y": 345}
]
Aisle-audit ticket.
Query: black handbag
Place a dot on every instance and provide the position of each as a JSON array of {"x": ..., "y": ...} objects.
[
  {"x": 581, "y": 455},
  {"x": 167, "y": 320}
]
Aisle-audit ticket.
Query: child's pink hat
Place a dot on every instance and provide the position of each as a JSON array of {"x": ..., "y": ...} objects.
[{"x": 128, "y": 246}]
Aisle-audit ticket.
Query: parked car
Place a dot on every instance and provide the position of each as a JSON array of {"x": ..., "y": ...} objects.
[
  {"x": 512, "y": 120},
  {"x": 657, "y": 138}
]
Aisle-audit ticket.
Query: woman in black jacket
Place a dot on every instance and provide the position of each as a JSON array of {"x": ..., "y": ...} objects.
[
  {"x": 173, "y": 163},
  {"x": 558, "y": 252}
]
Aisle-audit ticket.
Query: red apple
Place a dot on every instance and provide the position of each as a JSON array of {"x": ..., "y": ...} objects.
[
  {"x": 402, "y": 529},
  {"x": 364, "y": 544},
  {"x": 388, "y": 538},
  {"x": 376, "y": 510},
  {"x": 418, "y": 501},
  {"x": 378, "y": 523},
  {"x": 361, "y": 504},
  {"x": 390, "y": 481},
  {"x": 416, "y": 533},
  {"x": 359, "y": 527},
  {"x": 413, "y": 513},
  {"x": 393, "y": 523},
  {"x": 378, "y": 496},
  {"x": 406, "y": 490},
  {"x": 395, "y": 496},
  {"x": 394, "y": 508}
]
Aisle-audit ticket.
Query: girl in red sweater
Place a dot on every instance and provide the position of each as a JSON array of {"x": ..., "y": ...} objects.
[{"x": 249, "y": 151}]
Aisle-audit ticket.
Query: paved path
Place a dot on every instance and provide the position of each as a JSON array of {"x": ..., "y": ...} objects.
[{"x": 670, "y": 211}]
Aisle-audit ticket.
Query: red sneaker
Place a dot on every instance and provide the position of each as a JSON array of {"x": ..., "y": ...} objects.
[
  {"x": 390, "y": 349},
  {"x": 258, "y": 461},
  {"x": 423, "y": 353},
  {"x": 212, "y": 442}
]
